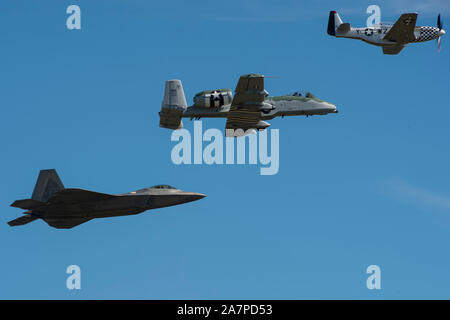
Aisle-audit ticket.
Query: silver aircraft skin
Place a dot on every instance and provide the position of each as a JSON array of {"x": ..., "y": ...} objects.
[
  {"x": 248, "y": 109},
  {"x": 392, "y": 38},
  {"x": 66, "y": 208}
]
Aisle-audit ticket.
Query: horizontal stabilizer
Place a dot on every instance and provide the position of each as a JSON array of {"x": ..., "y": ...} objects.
[
  {"x": 27, "y": 204},
  {"x": 343, "y": 28},
  {"x": 170, "y": 119},
  {"x": 22, "y": 220}
]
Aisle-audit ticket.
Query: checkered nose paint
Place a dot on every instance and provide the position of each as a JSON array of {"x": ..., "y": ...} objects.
[{"x": 427, "y": 34}]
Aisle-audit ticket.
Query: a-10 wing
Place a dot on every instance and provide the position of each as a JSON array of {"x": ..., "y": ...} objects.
[
  {"x": 403, "y": 29},
  {"x": 245, "y": 110}
]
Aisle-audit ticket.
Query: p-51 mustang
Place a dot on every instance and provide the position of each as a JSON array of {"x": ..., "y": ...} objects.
[
  {"x": 392, "y": 38},
  {"x": 247, "y": 110}
]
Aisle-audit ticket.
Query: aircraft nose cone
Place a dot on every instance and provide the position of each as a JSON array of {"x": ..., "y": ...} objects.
[
  {"x": 198, "y": 196},
  {"x": 333, "y": 108},
  {"x": 441, "y": 32},
  {"x": 193, "y": 196}
]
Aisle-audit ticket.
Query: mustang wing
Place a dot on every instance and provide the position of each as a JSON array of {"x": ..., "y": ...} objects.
[
  {"x": 67, "y": 196},
  {"x": 403, "y": 29},
  {"x": 394, "y": 49}
]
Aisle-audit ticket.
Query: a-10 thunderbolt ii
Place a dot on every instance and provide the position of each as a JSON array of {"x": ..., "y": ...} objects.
[
  {"x": 248, "y": 109},
  {"x": 66, "y": 208},
  {"x": 392, "y": 38}
]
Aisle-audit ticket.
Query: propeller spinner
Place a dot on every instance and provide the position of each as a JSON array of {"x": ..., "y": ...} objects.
[{"x": 441, "y": 31}]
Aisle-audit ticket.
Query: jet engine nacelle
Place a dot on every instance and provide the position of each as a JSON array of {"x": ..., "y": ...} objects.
[
  {"x": 213, "y": 98},
  {"x": 261, "y": 125}
]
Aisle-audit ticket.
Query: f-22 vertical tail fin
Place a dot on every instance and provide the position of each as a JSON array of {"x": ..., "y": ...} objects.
[{"x": 47, "y": 184}]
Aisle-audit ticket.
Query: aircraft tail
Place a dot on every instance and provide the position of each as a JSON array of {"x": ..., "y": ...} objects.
[
  {"x": 22, "y": 220},
  {"x": 47, "y": 184},
  {"x": 28, "y": 204},
  {"x": 335, "y": 24},
  {"x": 173, "y": 105}
]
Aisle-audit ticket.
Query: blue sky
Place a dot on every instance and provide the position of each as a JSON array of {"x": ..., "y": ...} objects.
[{"x": 366, "y": 186}]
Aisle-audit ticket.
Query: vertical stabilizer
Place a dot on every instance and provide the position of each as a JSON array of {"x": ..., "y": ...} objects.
[
  {"x": 334, "y": 22},
  {"x": 173, "y": 105},
  {"x": 47, "y": 184},
  {"x": 174, "y": 95}
]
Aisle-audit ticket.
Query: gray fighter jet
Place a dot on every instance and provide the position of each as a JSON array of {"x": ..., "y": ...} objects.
[
  {"x": 66, "y": 208},
  {"x": 248, "y": 109}
]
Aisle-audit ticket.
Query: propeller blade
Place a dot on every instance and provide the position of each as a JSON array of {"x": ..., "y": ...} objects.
[
  {"x": 439, "y": 22},
  {"x": 439, "y": 44}
]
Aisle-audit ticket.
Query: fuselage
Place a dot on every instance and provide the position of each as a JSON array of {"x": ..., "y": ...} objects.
[
  {"x": 375, "y": 35},
  {"x": 288, "y": 105},
  {"x": 117, "y": 205}
]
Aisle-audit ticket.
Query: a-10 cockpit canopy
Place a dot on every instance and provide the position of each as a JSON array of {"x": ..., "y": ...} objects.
[{"x": 299, "y": 94}]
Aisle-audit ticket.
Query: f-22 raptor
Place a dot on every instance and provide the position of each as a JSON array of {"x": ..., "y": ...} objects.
[
  {"x": 66, "y": 208},
  {"x": 247, "y": 110}
]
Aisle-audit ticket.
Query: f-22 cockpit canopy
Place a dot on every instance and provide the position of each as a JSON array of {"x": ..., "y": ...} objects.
[
  {"x": 159, "y": 186},
  {"x": 162, "y": 186}
]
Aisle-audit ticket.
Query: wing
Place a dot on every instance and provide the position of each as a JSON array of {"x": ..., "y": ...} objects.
[
  {"x": 66, "y": 223},
  {"x": 247, "y": 102},
  {"x": 394, "y": 49},
  {"x": 68, "y": 196},
  {"x": 249, "y": 92},
  {"x": 242, "y": 119},
  {"x": 403, "y": 29}
]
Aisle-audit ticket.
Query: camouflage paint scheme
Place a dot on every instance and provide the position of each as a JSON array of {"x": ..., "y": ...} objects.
[{"x": 250, "y": 106}]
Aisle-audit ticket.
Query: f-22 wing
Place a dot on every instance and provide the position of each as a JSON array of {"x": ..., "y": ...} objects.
[{"x": 72, "y": 195}]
